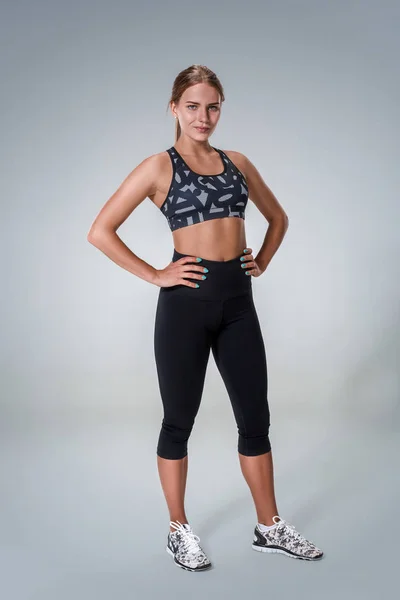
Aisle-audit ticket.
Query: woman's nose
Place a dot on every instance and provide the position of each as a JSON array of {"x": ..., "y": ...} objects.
[{"x": 203, "y": 117}]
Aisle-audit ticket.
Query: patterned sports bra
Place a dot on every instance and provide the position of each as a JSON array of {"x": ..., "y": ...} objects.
[{"x": 193, "y": 198}]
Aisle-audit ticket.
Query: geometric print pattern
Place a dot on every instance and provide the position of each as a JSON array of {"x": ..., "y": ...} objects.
[
  {"x": 284, "y": 538},
  {"x": 193, "y": 197},
  {"x": 184, "y": 546}
]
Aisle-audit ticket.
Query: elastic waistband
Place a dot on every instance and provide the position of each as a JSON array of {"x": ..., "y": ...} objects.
[{"x": 225, "y": 279}]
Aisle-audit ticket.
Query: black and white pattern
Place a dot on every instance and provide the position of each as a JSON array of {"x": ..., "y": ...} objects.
[
  {"x": 285, "y": 539},
  {"x": 184, "y": 546},
  {"x": 193, "y": 198}
]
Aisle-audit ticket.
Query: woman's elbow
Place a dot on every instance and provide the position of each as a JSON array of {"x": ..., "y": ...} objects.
[
  {"x": 95, "y": 236},
  {"x": 281, "y": 219},
  {"x": 285, "y": 221}
]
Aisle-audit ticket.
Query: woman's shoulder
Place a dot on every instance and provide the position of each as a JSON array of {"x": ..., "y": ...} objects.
[
  {"x": 160, "y": 166},
  {"x": 156, "y": 162},
  {"x": 238, "y": 159}
]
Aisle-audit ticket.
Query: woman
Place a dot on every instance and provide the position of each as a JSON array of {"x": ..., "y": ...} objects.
[{"x": 205, "y": 303}]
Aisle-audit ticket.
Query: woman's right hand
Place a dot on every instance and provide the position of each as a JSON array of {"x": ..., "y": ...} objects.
[{"x": 174, "y": 273}]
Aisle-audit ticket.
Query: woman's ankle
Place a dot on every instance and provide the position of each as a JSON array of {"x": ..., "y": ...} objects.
[{"x": 178, "y": 520}]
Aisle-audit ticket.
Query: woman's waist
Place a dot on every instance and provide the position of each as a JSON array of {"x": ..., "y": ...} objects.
[
  {"x": 223, "y": 279},
  {"x": 219, "y": 240}
]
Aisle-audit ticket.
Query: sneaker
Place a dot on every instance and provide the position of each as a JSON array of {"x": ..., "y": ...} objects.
[
  {"x": 285, "y": 539},
  {"x": 183, "y": 545}
]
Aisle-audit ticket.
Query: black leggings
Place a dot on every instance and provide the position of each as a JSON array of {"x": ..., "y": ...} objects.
[{"x": 220, "y": 314}]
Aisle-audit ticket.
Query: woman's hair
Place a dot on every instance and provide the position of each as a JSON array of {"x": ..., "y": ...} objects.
[{"x": 187, "y": 78}]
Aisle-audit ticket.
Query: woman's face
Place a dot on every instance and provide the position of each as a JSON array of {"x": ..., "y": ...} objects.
[{"x": 199, "y": 106}]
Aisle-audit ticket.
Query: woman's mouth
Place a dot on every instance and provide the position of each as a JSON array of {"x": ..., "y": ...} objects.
[{"x": 202, "y": 129}]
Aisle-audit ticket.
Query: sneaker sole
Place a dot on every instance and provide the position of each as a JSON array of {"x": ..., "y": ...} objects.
[
  {"x": 279, "y": 551},
  {"x": 178, "y": 564}
]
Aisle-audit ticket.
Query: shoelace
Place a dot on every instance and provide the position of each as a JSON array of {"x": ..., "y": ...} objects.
[
  {"x": 189, "y": 539},
  {"x": 282, "y": 524}
]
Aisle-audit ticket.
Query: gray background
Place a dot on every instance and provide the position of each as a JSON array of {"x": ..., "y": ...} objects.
[{"x": 312, "y": 92}]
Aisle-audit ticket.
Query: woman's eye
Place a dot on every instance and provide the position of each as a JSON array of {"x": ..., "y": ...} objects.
[{"x": 194, "y": 106}]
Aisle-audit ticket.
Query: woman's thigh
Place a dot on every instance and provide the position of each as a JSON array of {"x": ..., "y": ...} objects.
[
  {"x": 240, "y": 356},
  {"x": 181, "y": 346}
]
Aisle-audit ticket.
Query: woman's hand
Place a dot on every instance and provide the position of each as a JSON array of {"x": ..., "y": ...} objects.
[
  {"x": 250, "y": 264},
  {"x": 174, "y": 273}
]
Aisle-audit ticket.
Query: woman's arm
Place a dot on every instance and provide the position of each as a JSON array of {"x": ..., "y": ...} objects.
[
  {"x": 139, "y": 184},
  {"x": 269, "y": 206}
]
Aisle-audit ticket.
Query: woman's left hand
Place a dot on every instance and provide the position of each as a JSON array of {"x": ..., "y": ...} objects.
[{"x": 249, "y": 264}]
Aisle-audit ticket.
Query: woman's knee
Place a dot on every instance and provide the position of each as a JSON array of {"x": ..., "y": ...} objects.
[
  {"x": 173, "y": 440},
  {"x": 253, "y": 445},
  {"x": 253, "y": 435}
]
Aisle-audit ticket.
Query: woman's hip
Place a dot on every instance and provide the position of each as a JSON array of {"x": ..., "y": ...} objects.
[{"x": 224, "y": 279}]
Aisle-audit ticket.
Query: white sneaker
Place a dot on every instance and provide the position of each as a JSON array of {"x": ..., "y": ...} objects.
[
  {"x": 183, "y": 546},
  {"x": 285, "y": 539}
]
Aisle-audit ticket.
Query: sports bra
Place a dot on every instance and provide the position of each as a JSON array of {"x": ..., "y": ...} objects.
[{"x": 193, "y": 198}]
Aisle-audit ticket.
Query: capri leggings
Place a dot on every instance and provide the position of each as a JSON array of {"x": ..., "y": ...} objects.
[{"x": 219, "y": 315}]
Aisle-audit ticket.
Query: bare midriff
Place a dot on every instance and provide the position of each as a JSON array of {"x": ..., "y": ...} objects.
[{"x": 217, "y": 239}]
